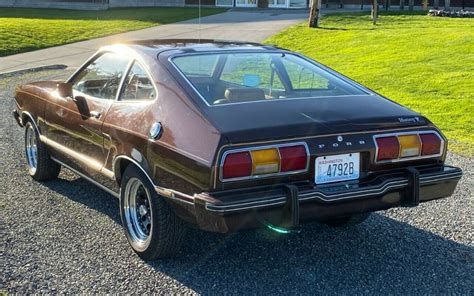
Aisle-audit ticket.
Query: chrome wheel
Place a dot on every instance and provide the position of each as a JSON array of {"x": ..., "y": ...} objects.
[
  {"x": 31, "y": 144},
  {"x": 138, "y": 214}
]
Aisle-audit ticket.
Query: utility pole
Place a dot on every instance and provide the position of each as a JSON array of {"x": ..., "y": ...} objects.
[{"x": 314, "y": 13}]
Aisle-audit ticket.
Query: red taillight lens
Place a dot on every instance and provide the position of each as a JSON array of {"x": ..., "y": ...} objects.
[
  {"x": 293, "y": 158},
  {"x": 388, "y": 148},
  {"x": 237, "y": 165},
  {"x": 431, "y": 144}
]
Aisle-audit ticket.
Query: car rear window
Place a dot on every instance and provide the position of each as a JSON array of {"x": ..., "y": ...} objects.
[{"x": 230, "y": 78}]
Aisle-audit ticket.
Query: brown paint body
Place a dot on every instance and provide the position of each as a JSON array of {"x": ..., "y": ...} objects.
[{"x": 184, "y": 162}]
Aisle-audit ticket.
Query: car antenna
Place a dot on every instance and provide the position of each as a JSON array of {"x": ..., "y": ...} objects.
[{"x": 199, "y": 27}]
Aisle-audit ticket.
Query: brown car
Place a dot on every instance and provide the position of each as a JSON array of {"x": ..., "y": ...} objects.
[{"x": 225, "y": 136}]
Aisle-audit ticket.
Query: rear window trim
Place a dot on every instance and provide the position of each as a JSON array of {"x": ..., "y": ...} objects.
[{"x": 321, "y": 66}]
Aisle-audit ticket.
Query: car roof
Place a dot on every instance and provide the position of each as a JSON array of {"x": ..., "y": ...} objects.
[{"x": 193, "y": 45}]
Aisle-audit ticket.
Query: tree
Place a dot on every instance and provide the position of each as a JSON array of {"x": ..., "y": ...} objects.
[
  {"x": 447, "y": 4},
  {"x": 314, "y": 13},
  {"x": 375, "y": 11}
]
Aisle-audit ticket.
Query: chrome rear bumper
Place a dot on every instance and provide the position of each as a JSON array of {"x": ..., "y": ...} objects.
[{"x": 228, "y": 211}]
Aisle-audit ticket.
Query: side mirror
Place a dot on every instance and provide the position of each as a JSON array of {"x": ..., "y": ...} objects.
[{"x": 65, "y": 90}]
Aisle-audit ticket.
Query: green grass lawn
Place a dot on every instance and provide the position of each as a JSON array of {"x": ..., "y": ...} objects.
[
  {"x": 30, "y": 29},
  {"x": 422, "y": 62}
]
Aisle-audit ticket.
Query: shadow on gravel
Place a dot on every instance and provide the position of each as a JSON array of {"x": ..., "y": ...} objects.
[
  {"x": 381, "y": 253},
  {"x": 82, "y": 191}
]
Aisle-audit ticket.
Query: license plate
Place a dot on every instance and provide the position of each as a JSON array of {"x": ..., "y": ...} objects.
[{"x": 336, "y": 168}]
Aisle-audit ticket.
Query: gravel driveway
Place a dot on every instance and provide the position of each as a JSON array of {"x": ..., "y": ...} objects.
[{"x": 65, "y": 236}]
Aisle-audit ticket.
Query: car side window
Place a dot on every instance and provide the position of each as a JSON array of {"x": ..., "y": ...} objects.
[
  {"x": 138, "y": 85},
  {"x": 101, "y": 78}
]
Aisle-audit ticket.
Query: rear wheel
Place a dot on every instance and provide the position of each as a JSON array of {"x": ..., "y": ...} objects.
[
  {"x": 348, "y": 221},
  {"x": 152, "y": 229},
  {"x": 40, "y": 165}
]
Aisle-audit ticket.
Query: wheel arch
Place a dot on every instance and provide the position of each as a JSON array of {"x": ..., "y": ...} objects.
[
  {"x": 120, "y": 164},
  {"x": 27, "y": 116}
]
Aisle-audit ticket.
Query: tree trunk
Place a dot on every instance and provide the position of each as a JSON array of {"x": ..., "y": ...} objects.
[
  {"x": 447, "y": 4},
  {"x": 387, "y": 4},
  {"x": 436, "y": 4},
  {"x": 402, "y": 4},
  {"x": 425, "y": 5},
  {"x": 410, "y": 5},
  {"x": 314, "y": 13},
  {"x": 375, "y": 11}
]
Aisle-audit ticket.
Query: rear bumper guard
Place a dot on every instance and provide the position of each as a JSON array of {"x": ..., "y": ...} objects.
[{"x": 409, "y": 182}]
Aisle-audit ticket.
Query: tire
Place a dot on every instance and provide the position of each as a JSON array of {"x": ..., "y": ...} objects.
[
  {"x": 40, "y": 165},
  {"x": 348, "y": 221},
  {"x": 152, "y": 229}
]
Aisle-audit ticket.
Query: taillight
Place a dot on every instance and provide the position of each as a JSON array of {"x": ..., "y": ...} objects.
[
  {"x": 293, "y": 158},
  {"x": 404, "y": 146},
  {"x": 275, "y": 160},
  {"x": 430, "y": 143},
  {"x": 388, "y": 148},
  {"x": 410, "y": 145},
  {"x": 237, "y": 165}
]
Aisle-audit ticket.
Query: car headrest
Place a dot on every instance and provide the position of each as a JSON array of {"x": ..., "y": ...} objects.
[{"x": 244, "y": 94}]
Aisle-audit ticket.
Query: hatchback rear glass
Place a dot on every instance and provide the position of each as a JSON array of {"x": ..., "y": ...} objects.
[{"x": 230, "y": 78}]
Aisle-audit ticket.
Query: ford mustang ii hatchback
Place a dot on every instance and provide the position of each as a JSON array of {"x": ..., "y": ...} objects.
[{"x": 225, "y": 136}]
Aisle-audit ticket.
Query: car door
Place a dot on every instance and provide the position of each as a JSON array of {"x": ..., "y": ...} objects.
[
  {"x": 75, "y": 124},
  {"x": 131, "y": 116}
]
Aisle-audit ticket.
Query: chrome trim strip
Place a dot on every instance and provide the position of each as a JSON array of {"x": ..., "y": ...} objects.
[
  {"x": 169, "y": 193},
  {"x": 114, "y": 163},
  {"x": 418, "y": 133},
  {"x": 244, "y": 208},
  {"x": 32, "y": 120},
  {"x": 381, "y": 189},
  {"x": 221, "y": 165},
  {"x": 87, "y": 178},
  {"x": 90, "y": 162},
  {"x": 257, "y": 202}
]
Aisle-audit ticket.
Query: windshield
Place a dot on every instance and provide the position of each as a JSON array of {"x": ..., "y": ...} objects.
[{"x": 229, "y": 78}]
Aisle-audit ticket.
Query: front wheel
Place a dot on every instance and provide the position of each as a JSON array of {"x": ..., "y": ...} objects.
[
  {"x": 348, "y": 221},
  {"x": 40, "y": 165},
  {"x": 152, "y": 229}
]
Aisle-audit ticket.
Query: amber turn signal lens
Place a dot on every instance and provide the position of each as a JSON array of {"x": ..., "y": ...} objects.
[
  {"x": 265, "y": 161},
  {"x": 410, "y": 145},
  {"x": 388, "y": 148}
]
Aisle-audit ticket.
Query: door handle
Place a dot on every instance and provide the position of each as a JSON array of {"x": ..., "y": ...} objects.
[{"x": 95, "y": 114}]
